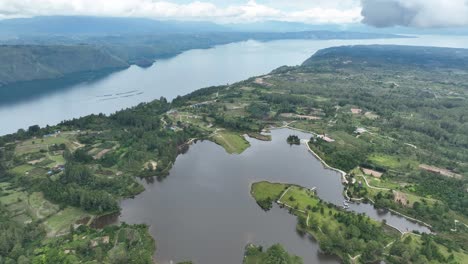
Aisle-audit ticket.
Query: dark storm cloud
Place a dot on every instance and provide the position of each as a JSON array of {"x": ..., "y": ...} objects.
[{"x": 415, "y": 13}]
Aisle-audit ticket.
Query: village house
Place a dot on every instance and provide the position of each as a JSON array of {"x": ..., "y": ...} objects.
[
  {"x": 360, "y": 130},
  {"x": 324, "y": 137}
]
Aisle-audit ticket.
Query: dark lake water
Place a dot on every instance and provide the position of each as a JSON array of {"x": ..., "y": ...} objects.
[
  {"x": 203, "y": 210},
  {"x": 49, "y": 102}
]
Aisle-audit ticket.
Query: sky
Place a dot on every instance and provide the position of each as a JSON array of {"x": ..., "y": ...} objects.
[{"x": 378, "y": 13}]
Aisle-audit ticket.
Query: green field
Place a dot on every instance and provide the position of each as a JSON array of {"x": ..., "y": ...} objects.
[
  {"x": 267, "y": 190},
  {"x": 41, "y": 208},
  {"x": 61, "y": 221},
  {"x": 35, "y": 145},
  {"x": 393, "y": 162},
  {"x": 299, "y": 198},
  {"x": 22, "y": 169},
  {"x": 233, "y": 143}
]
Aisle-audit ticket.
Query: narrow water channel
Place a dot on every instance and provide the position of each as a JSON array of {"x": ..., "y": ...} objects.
[{"x": 203, "y": 210}]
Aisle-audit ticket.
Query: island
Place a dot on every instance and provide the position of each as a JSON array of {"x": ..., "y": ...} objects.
[{"x": 293, "y": 140}]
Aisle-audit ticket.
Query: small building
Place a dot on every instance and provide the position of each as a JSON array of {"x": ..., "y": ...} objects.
[
  {"x": 360, "y": 130},
  {"x": 356, "y": 111},
  {"x": 324, "y": 137}
]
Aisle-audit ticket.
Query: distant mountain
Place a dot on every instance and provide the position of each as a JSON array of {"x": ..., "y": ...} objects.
[
  {"x": 89, "y": 25},
  {"x": 278, "y": 26},
  {"x": 25, "y": 63},
  {"x": 406, "y": 30},
  {"x": 52, "y": 47},
  {"x": 378, "y": 55},
  {"x": 283, "y": 26},
  {"x": 86, "y": 25},
  {"x": 135, "y": 48}
]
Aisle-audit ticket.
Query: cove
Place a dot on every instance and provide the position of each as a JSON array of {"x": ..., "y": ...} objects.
[
  {"x": 76, "y": 96},
  {"x": 203, "y": 210}
]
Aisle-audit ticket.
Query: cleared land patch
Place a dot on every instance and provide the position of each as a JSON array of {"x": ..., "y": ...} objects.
[{"x": 233, "y": 143}]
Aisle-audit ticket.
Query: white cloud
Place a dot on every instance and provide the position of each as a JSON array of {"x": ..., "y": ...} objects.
[
  {"x": 322, "y": 11},
  {"x": 415, "y": 13}
]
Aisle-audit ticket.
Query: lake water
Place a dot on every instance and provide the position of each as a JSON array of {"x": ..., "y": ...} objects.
[
  {"x": 52, "y": 102},
  {"x": 203, "y": 210}
]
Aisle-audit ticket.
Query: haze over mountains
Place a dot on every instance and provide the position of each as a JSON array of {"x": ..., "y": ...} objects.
[
  {"x": 53, "y": 47},
  {"x": 88, "y": 25}
]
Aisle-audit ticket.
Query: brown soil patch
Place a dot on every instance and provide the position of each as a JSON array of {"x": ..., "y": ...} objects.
[
  {"x": 34, "y": 162},
  {"x": 440, "y": 171},
  {"x": 400, "y": 197},
  {"x": 374, "y": 173},
  {"x": 101, "y": 153},
  {"x": 261, "y": 81},
  {"x": 301, "y": 117}
]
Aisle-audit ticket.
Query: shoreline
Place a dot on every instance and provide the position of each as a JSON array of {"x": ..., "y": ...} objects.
[{"x": 344, "y": 180}]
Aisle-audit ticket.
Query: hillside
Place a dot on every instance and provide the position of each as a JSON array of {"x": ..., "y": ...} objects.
[
  {"x": 27, "y": 62},
  {"x": 89, "y": 25},
  {"x": 376, "y": 55},
  {"x": 44, "y": 56}
]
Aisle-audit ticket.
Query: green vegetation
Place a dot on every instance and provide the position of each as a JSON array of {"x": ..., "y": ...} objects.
[
  {"x": 266, "y": 194},
  {"x": 413, "y": 248},
  {"x": 33, "y": 62},
  {"x": 293, "y": 140},
  {"x": 231, "y": 142},
  {"x": 389, "y": 114},
  {"x": 275, "y": 254},
  {"x": 113, "y": 244},
  {"x": 338, "y": 232},
  {"x": 352, "y": 236}
]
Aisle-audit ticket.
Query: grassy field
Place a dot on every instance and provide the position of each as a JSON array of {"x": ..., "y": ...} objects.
[
  {"x": 382, "y": 183},
  {"x": 13, "y": 196},
  {"x": 61, "y": 221},
  {"x": 300, "y": 198},
  {"x": 41, "y": 208},
  {"x": 233, "y": 143},
  {"x": 393, "y": 162},
  {"x": 26, "y": 207},
  {"x": 35, "y": 145},
  {"x": 58, "y": 159},
  {"x": 22, "y": 169},
  {"x": 264, "y": 190}
]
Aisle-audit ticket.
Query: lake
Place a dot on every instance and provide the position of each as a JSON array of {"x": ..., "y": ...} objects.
[
  {"x": 203, "y": 210},
  {"x": 53, "y": 101}
]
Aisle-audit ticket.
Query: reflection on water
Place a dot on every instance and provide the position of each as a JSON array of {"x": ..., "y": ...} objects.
[
  {"x": 26, "y": 92},
  {"x": 203, "y": 210},
  {"x": 78, "y": 96}
]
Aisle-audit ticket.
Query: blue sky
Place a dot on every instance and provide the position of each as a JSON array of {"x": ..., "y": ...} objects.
[{"x": 380, "y": 13}]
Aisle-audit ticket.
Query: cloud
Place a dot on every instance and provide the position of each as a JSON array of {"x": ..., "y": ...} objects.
[
  {"x": 415, "y": 13},
  {"x": 319, "y": 12}
]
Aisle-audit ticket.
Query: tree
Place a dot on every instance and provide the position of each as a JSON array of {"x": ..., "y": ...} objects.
[
  {"x": 34, "y": 130},
  {"x": 118, "y": 254},
  {"x": 372, "y": 253}
]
